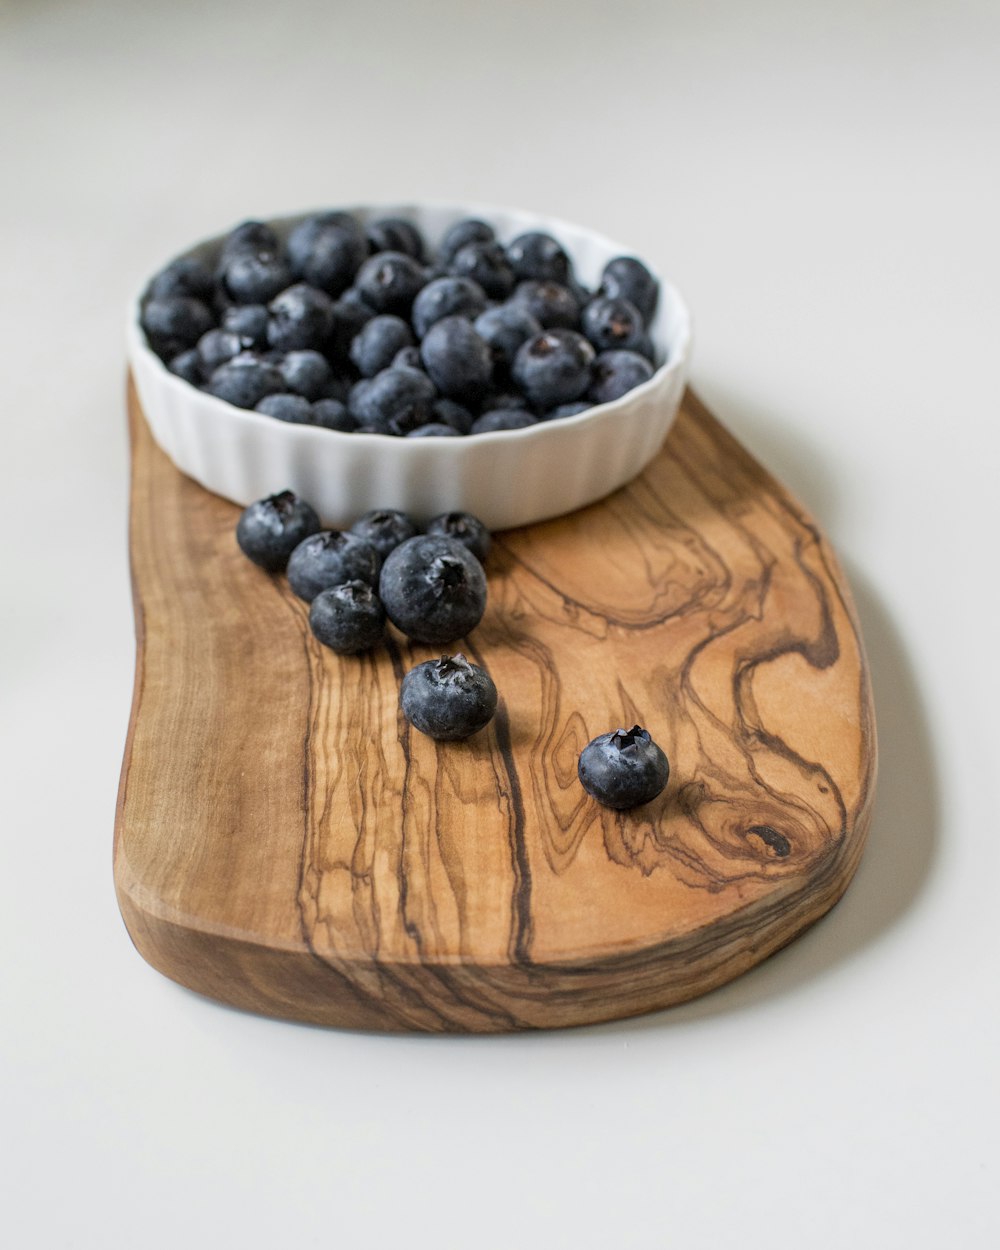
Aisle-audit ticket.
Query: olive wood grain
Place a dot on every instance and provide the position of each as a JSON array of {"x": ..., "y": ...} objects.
[{"x": 286, "y": 843}]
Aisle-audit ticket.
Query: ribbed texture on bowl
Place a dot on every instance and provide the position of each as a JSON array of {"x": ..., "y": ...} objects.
[{"x": 508, "y": 478}]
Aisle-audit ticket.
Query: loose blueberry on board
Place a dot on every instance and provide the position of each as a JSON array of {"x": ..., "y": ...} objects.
[
  {"x": 348, "y": 618},
  {"x": 385, "y": 529},
  {"x": 469, "y": 230},
  {"x": 554, "y": 367},
  {"x": 625, "y": 277},
  {"x": 389, "y": 282},
  {"x": 447, "y": 297},
  {"x": 503, "y": 419},
  {"x": 504, "y": 329},
  {"x": 464, "y": 528},
  {"x": 448, "y": 699},
  {"x": 301, "y": 317},
  {"x": 245, "y": 380},
  {"x": 623, "y": 769},
  {"x": 550, "y": 303},
  {"x": 537, "y": 256},
  {"x": 306, "y": 373},
  {"x": 173, "y": 325},
  {"x": 331, "y": 414},
  {"x": 377, "y": 343},
  {"x": 487, "y": 265},
  {"x": 458, "y": 361},
  {"x": 614, "y": 374},
  {"x": 433, "y": 588},
  {"x": 269, "y": 530},
  {"x": 292, "y": 408},
  {"x": 329, "y": 558}
]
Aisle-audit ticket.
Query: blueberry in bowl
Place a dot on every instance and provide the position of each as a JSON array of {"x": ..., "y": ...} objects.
[{"x": 515, "y": 367}]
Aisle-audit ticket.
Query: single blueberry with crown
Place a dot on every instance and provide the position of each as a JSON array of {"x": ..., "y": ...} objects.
[
  {"x": 614, "y": 374},
  {"x": 348, "y": 618},
  {"x": 625, "y": 277},
  {"x": 623, "y": 769},
  {"x": 458, "y": 361},
  {"x": 433, "y": 588},
  {"x": 554, "y": 367},
  {"x": 464, "y": 528},
  {"x": 270, "y": 529},
  {"x": 448, "y": 699},
  {"x": 385, "y": 529},
  {"x": 389, "y": 282},
  {"x": 377, "y": 343},
  {"x": 330, "y": 558},
  {"x": 301, "y": 317}
]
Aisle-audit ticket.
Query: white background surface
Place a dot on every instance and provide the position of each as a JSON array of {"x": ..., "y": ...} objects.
[{"x": 822, "y": 183}]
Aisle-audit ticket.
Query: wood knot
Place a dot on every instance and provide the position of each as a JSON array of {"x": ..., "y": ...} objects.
[{"x": 778, "y": 846}]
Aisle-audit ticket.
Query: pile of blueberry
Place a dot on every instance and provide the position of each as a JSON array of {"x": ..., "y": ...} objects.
[
  {"x": 433, "y": 588},
  {"x": 354, "y": 328}
]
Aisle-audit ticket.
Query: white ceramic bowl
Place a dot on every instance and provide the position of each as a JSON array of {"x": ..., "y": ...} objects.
[{"x": 507, "y": 478}]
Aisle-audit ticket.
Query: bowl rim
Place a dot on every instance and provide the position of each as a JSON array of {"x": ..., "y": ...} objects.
[{"x": 139, "y": 349}]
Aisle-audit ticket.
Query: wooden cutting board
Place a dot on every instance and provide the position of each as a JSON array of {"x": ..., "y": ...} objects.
[{"x": 284, "y": 841}]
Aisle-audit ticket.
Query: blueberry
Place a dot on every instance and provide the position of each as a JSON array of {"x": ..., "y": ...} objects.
[
  {"x": 612, "y": 324},
  {"x": 249, "y": 321},
  {"x": 446, "y": 297},
  {"x": 184, "y": 276},
  {"x": 464, "y": 528},
  {"x": 330, "y": 558},
  {"x": 395, "y": 401},
  {"x": 306, "y": 373},
  {"x": 448, "y": 699},
  {"x": 550, "y": 303},
  {"x": 628, "y": 278},
  {"x": 377, "y": 343},
  {"x": 348, "y": 617},
  {"x": 175, "y": 324},
  {"x": 487, "y": 265},
  {"x": 554, "y": 367},
  {"x": 623, "y": 769},
  {"x": 270, "y": 529},
  {"x": 301, "y": 317},
  {"x": 433, "y": 588},
  {"x": 348, "y": 317},
  {"x": 291, "y": 408},
  {"x": 385, "y": 529},
  {"x": 249, "y": 236},
  {"x": 326, "y": 250},
  {"x": 469, "y": 230},
  {"x": 538, "y": 257},
  {"x": 458, "y": 360},
  {"x": 245, "y": 380},
  {"x": 503, "y": 419},
  {"x": 567, "y": 410},
  {"x": 447, "y": 412},
  {"x": 255, "y": 277},
  {"x": 302, "y": 238},
  {"x": 505, "y": 328},
  {"x": 331, "y": 414},
  {"x": 408, "y": 358},
  {"x": 394, "y": 234},
  {"x": 616, "y": 373},
  {"x": 389, "y": 282},
  {"x": 215, "y": 347},
  {"x": 187, "y": 365},
  {"x": 434, "y": 429}
]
